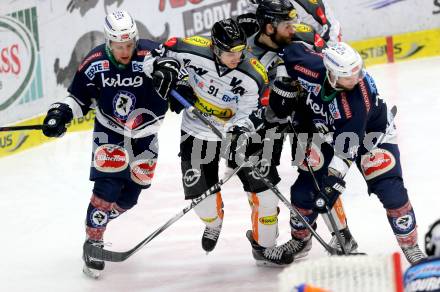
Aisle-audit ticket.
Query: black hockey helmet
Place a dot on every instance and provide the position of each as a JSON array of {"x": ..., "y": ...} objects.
[
  {"x": 274, "y": 11},
  {"x": 227, "y": 36}
]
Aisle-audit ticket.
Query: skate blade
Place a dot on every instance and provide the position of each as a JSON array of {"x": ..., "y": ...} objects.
[
  {"x": 92, "y": 273},
  {"x": 262, "y": 263}
]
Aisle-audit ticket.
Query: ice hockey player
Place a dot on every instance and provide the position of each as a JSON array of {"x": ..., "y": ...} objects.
[
  {"x": 425, "y": 274},
  {"x": 343, "y": 104},
  {"x": 316, "y": 14},
  {"x": 128, "y": 115},
  {"x": 227, "y": 83},
  {"x": 277, "y": 21}
]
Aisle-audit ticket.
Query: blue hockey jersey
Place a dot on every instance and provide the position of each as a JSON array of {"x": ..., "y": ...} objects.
[
  {"x": 359, "y": 111},
  {"x": 123, "y": 95}
]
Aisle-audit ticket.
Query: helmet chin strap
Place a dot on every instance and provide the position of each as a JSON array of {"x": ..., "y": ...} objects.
[{"x": 333, "y": 83}]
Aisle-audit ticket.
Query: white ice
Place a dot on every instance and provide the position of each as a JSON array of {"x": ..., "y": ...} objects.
[{"x": 45, "y": 192}]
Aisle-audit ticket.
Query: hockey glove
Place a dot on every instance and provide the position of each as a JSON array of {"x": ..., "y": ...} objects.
[
  {"x": 330, "y": 188},
  {"x": 56, "y": 119},
  {"x": 239, "y": 137},
  {"x": 165, "y": 75},
  {"x": 284, "y": 96},
  {"x": 182, "y": 87}
]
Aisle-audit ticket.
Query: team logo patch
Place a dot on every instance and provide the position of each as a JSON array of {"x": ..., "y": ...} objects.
[
  {"x": 404, "y": 223},
  {"x": 269, "y": 220},
  {"x": 142, "y": 171},
  {"x": 297, "y": 223},
  {"x": 98, "y": 218},
  {"x": 123, "y": 104},
  {"x": 263, "y": 166},
  {"x": 137, "y": 66},
  {"x": 377, "y": 162},
  {"x": 97, "y": 67},
  {"x": 315, "y": 159},
  {"x": 191, "y": 177},
  {"x": 110, "y": 158}
]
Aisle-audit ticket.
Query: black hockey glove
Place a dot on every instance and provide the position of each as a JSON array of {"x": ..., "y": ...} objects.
[
  {"x": 165, "y": 75},
  {"x": 248, "y": 22},
  {"x": 56, "y": 119},
  {"x": 239, "y": 137},
  {"x": 331, "y": 187},
  {"x": 284, "y": 96},
  {"x": 186, "y": 91}
]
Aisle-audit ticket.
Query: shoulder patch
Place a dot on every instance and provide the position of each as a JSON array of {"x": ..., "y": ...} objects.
[
  {"x": 197, "y": 41},
  {"x": 302, "y": 27},
  {"x": 259, "y": 68},
  {"x": 89, "y": 59},
  {"x": 97, "y": 67}
]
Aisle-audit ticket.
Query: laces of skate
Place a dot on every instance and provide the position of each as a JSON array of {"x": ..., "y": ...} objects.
[
  {"x": 212, "y": 233},
  {"x": 273, "y": 253}
]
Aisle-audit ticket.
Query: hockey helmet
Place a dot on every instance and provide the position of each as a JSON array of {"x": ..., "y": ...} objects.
[
  {"x": 341, "y": 60},
  {"x": 274, "y": 12},
  {"x": 227, "y": 36},
  {"x": 120, "y": 27},
  {"x": 432, "y": 240}
]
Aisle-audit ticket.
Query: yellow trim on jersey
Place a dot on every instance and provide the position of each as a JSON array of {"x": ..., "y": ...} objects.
[
  {"x": 211, "y": 109},
  {"x": 301, "y": 27},
  {"x": 314, "y": 2},
  {"x": 259, "y": 68},
  {"x": 197, "y": 41}
]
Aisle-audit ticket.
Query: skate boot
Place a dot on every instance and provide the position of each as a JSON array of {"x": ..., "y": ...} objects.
[
  {"x": 350, "y": 243},
  {"x": 93, "y": 267},
  {"x": 413, "y": 254},
  {"x": 210, "y": 238},
  {"x": 271, "y": 257},
  {"x": 299, "y": 248}
]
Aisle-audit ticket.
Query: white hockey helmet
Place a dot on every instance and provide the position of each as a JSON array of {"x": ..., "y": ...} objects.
[
  {"x": 341, "y": 60},
  {"x": 432, "y": 240},
  {"x": 120, "y": 27}
]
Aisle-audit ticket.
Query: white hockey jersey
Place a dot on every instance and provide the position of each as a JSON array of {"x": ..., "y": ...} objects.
[{"x": 225, "y": 96}]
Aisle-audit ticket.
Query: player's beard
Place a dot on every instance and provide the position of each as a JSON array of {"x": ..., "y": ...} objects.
[{"x": 281, "y": 42}]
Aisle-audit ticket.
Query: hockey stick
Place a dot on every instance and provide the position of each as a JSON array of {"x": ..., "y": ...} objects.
[
  {"x": 269, "y": 184},
  {"x": 315, "y": 182},
  {"x": 115, "y": 256},
  {"x": 20, "y": 128}
]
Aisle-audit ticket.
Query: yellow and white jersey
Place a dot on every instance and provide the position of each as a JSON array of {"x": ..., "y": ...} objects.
[{"x": 225, "y": 96}]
